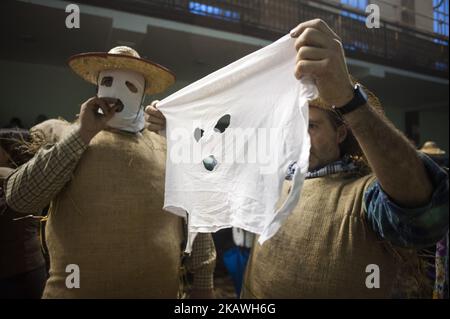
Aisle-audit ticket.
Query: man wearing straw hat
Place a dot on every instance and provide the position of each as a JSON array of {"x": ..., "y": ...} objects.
[
  {"x": 437, "y": 154},
  {"x": 368, "y": 201},
  {"x": 107, "y": 235},
  {"x": 354, "y": 231},
  {"x": 440, "y": 291}
]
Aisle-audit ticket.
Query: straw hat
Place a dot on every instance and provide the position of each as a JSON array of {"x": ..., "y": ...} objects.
[
  {"x": 88, "y": 65},
  {"x": 431, "y": 148}
]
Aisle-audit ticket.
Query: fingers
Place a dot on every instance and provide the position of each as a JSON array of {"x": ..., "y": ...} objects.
[
  {"x": 153, "y": 111},
  {"x": 314, "y": 68},
  {"x": 111, "y": 111},
  {"x": 319, "y": 49},
  {"x": 88, "y": 102},
  {"x": 154, "y": 127},
  {"x": 95, "y": 103},
  {"x": 155, "y": 120},
  {"x": 100, "y": 103},
  {"x": 312, "y": 37},
  {"x": 152, "y": 106},
  {"x": 317, "y": 24},
  {"x": 155, "y": 124},
  {"x": 108, "y": 111},
  {"x": 311, "y": 53}
]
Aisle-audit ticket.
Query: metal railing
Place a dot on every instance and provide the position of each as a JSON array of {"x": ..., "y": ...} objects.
[{"x": 391, "y": 44}]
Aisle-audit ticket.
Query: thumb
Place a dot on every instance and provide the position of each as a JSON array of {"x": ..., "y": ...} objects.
[{"x": 109, "y": 115}]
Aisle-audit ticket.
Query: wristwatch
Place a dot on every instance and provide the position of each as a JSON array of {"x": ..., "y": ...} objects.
[{"x": 359, "y": 99}]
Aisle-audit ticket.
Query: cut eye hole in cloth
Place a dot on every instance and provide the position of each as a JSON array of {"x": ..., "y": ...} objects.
[
  {"x": 107, "y": 81},
  {"x": 223, "y": 123},
  {"x": 244, "y": 125},
  {"x": 131, "y": 87},
  {"x": 210, "y": 163},
  {"x": 198, "y": 134}
]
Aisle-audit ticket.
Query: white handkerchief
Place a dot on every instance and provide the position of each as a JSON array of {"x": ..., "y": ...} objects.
[{"x": 231, "y": 138}]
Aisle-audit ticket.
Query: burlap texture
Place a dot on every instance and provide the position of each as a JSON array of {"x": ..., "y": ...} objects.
[
  {"x": 109, "y": 221},
  {"x": 324, "y": 247}
]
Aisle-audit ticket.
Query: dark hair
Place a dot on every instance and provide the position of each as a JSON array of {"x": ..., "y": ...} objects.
[
  {"x": 349, "y": 146},
  {"x": 13, "y": 142}
]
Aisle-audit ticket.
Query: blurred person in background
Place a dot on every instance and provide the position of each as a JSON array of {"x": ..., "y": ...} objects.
[
  {"x": 22, "y": 265},
  {"x": 439, "y": 269},
  {"x": 15, "y": 122}
]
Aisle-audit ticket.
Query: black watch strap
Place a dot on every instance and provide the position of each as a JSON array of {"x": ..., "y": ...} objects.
[{"x": 359, "y": 99}]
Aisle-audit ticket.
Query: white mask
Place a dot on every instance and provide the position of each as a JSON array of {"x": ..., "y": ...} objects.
[{"x": 128, "y": 86}]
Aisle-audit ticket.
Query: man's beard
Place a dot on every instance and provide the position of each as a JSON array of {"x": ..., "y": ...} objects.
[{"x": 313, "y": 162}]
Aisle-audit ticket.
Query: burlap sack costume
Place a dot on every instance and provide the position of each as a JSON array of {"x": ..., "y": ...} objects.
[
  {"x": 108, "y": 220},
  {"x": 324, "y": 247}
]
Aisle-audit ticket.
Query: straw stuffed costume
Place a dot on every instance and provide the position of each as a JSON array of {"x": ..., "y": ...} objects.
[
  {"x": 337, "y": 239},
  {"x": 106, "y": 215}
]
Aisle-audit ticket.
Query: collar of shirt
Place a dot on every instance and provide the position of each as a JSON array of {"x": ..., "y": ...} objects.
[{"x": 345, "y": 164}]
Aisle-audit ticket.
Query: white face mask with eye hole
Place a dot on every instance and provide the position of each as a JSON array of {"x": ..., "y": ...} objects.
[{"x": 128, "y": 87}]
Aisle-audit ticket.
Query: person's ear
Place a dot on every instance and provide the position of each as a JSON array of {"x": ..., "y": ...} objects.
[{"x": 341, "y": 133}]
